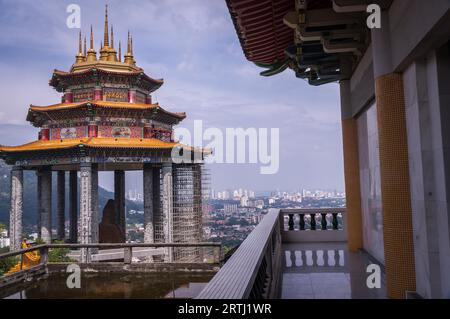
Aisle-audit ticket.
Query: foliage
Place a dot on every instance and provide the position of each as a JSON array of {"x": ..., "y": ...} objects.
[
  {"x": 7, "y": 263},
  {"x": 59, "y": 255}
]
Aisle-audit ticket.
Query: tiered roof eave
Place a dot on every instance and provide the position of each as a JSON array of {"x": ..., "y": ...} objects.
[
  {"x": 36, "y": 110},
  {"x": 100, "y": 68}
]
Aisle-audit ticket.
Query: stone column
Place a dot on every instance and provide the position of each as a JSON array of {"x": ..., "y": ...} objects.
[
  {"x": 73, "y": 202},
  {"x": 38, "y": 201},
  {"x": 16, "y": 209},
  {"x": 88, "y": 214},
  {"x": 148, "y": 204},
  {"x": 61, "y": 205},
  {"x": 394, "y": 167},
  {"x": 157, "y": 213},
  {"x": 46, "y": 205},
  {"x": 167, "y": 206},
  {"x": 351, "y": 170},
  {"x": 94, "y": 205},
  {"x": 119, "y": 199}
]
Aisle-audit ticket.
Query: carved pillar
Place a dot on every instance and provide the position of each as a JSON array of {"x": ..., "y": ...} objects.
[
  {"x": 45, "y": 134},
  {"x": 46, "y": 205},
  {"x": 132, "y": 96},
  {"x": 38, "y": 201},
  {"x": 15, "y": 213},
  {"x": 92, "y": 129},
  {"x": 167, "y": 206},
  {"x": 73, "y": 200},
  {"x": 148, "y": 204},
  {"x": 88, "y": 208},
  {"x": 68, "y": 96},
  {"x": 157, "y": 212},
  {"x": 61, "y": 204},
  {"x": 98, "y": 93},
  {"x": 94, "y": 206},
  {"x": 119, "y": 199}
]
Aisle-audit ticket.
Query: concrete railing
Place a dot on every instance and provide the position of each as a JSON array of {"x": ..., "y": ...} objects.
[{"x": 254, "y": 270}]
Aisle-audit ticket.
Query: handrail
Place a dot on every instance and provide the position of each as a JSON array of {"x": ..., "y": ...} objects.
[
  {"x": 107, "y": 245},
  {"x": 236, "y": 279},
  {"x": 257, "y": 262}
]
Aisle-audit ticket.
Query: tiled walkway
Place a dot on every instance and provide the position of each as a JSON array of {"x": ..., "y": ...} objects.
[{"x": 326, "y": 271}]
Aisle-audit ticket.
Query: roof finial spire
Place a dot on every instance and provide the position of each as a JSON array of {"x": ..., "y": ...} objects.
[
  {"x": 112, "y": 37},
  {"x": 91, "y": 40},
  {"x": 91, "y": 54},
  {"x": 106, "y": 35},
  {"x": 129, "y": 43},
  {"x": 131, "y": 46},
  {"x": 80, "y": 48},
  {"x": 79, "y": 57},
  {"x": 120, "y": 52},
  {"x": 128, "y": 58},
  {"x": 84, "y": 49}
]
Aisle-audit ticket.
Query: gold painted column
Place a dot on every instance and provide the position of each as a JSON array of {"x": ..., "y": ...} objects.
[
  {"x": 351, "y": 171},
  {"x": 395, "y": 186}
]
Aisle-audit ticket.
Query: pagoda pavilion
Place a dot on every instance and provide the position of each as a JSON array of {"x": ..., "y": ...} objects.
[{"x": 106, "y": 121}]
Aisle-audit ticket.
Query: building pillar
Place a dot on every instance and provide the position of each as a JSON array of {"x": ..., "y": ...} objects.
[
  {"x": 93, "y": 129},
  {"x": 88, "y": 210},
  {"x": 394, "y": 168},
  {"x": 167, "y": 206},
  {"x": 94, "y": 206},
  {"x": 157, "y": 213},
  {"x": 68, "y": 96},
  {"x": 16, "y": 209},
  {"x": 44, "y": 134},
  {"x": 73, "y": 206},
  {"x": 149, "y": 232},
  {"x": 46, "y": 205},
  {"x": 119, "y": 200},
  {"x": 98, "y": 93},
  {"x": 61, "y": 205},
  {"x": 132, "y": 96},
  {"x": 351, "y": 170},
  {"x": 38, "y": 201}
]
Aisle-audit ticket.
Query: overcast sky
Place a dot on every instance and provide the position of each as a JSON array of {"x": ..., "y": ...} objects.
[{"x": 192, "y": 44}]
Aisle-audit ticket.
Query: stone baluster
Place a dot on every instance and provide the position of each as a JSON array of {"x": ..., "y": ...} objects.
[
  {"x": 335, "y": 221},
  {"x": 313, "y": 221},
  {"x": 314, "y": 257},
  {"x": 336, "y": 258},
  {"x": 291, "y": 222},
  {"x": 324, "y": 221},
  {"x": 302, "y": 221},
  {"x": 325, "y": 258}
]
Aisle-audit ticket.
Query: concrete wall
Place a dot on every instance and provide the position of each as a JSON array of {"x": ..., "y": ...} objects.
[
  {"x": 419, "y": 31},
  {"x": 427, "y": 115}
]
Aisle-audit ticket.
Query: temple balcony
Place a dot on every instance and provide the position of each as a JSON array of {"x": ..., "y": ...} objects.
[{"x": 296, "y": 254}]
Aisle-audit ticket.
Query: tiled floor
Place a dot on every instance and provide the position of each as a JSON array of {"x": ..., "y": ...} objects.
[{"x": 326, "y": 271}]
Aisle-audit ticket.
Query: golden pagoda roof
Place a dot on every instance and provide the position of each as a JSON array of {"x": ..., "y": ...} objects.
[
  {"x": 104, "y": 104},
  {"x": 93, "y": 142}
]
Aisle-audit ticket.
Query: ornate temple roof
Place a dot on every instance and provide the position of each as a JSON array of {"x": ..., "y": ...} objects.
[
  {"x": 109, "y": 61},
  {"x": 320, "y": 40},
  {"x": 102, "y": 104},
  {"x": 92, "y": 142}
]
